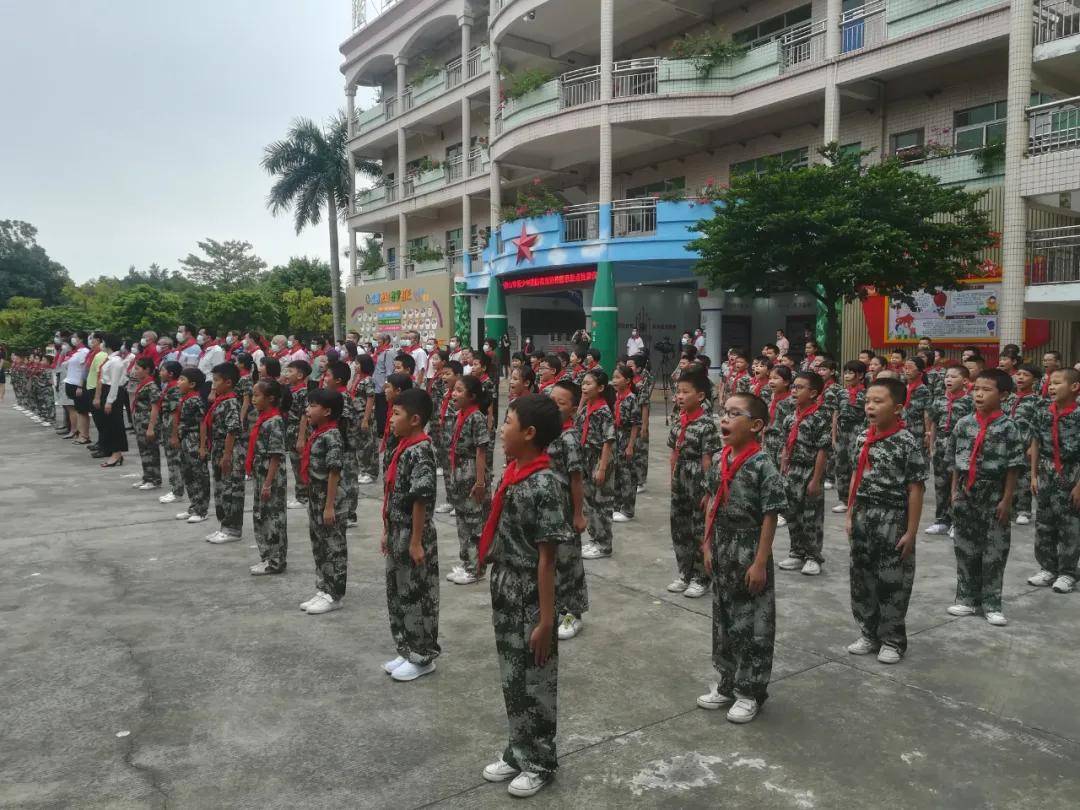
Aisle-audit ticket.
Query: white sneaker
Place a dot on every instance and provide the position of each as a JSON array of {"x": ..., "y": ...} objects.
[
  {"x": 863, "y": 646},
  {"x": 828, "y": 485},
  {"x": 463, "y": 577},
  {"x": 365, "y": 479},
  {"x": 791, "y": 563},
  {"x": 439, "y": 472},
  {"x": 146, "y": 487},
  {"x": 937, "y": 528},
  {"x": 1064, "y": 584},
  {"x": 811, "y": 568},
  {"x": 294, "y": 504},
  {"x": 225, "y": 537},
  {"x": 261, "y": 569},
  {"x": 744, "y": 710},
  {"x": 1023, "y": 519},
  {"x": 169, "y": 497},
  {"x": 714, "y": 700},
  {"x": 695, "y": 590},
  {"x": 960, "y": 610},
  {"x": 196, "y": 518},
  {"x": 306, "y": 604},
  {"x": 640, "y": 489},
  {"x": 182, "y": 515},
  {"x": 454, "y": 572},
  {"x": 569, "y": 627},
  {"x": 137, "y": 485},
  {"x": 996, "y": 618},
  {"x": 888, "y": 655},
  {"x": 952, "y": 532},
  {"x": 781, "y": 520},
  {"x": 410, "y": 671},
  {"x": 500, "y": 771},
  {"x": 453, "y": 513},
  {"x": 591, "y": 551},
  {"x": 526, "y": 784},
  {"x": 390, "y": 666},
  {"x": 325, "y": 604},
  {"x": 213, "y": 535},
  {"x": 839, "y": 509},
  {"x": 619, "y": 517},
  {"x": 1042, "y": 579},
  {"x": 443, "y": 508},
  {"x": 678, "y": 586}
]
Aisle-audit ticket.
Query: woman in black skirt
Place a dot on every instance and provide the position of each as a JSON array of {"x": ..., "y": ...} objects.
[{"x": 112, "y": 439}]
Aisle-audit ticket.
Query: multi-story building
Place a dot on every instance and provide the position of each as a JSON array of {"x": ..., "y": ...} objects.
[{"x": 478, "y": 103}]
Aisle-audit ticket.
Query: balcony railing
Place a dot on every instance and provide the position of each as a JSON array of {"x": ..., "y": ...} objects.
[
  {"x": 581, "y": 222},
  {"x": 478, "y": 160},
  {"x": 633, "y": 217},
  {"x": 803, "y": 45},
  {"x": 579, "y": 87},
  {"x": 473, "y": 63},
  {"x": 1054, "y": 126},
  {"x": 366, "y": 11},
  {"x": 453, "y": 73},
  {"x": 636, "y": 77},
  {"x": 1056, "y": 19},
  {"x": 453, "y": 167},
  {"x": 1054, "y": 255},
  {"x": 863, "y": 27}
]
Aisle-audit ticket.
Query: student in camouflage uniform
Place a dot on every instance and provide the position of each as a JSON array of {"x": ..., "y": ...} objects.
[
  {"x": 568, "y": 464},
  {"x": 987, "y": 453},
  {"x": 1023, "y": 408},
  {"x": 627, "y": 426},
  {"x": 953, "y": 405},
  {"x": 917, "y": 406},
  {"x": 884, "y": 508},
  {"x": 807, "y": 434},
  {"x": 643, "y": 390},
  {"x": 409, "y": 541},
  {"x": 43, "y": 390},
  {"x": 362, "y": 387},
  {"x": 521, "y": 537},
  {"x": 693, "y": 441},
  {"x": 265, "y": 463},
  {"x": 243, "y": 389},
  {"x": 321, "y": 462},
  {"x": 829, "y": 398},
  {"x": 470, "y": 476},
  {"x": 780, "y": 406},
  {"x": 1056, "y": 478},
  {"x": 222, "y": 437},
  {"x": 143, "y": 400},
  {"x": 187, "y": 424},
  {"x": 394, "y": 385},
  {"x": 446, "y": 416},
  {"x": 296, "y": 377},
  {"x": 490, "y": 383},
  {"x": 337, "y": 376},
  {"x": 596, "y": 425},
  {"x": 849, "y": 419},
  {"x": 164, "y": 414},
  {"x": 746, "y": 495}
]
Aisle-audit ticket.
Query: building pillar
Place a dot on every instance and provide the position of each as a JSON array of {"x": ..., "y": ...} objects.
[
  {"x": 833, "y": 12},
  {"x": 712, "y": 317},
  {"x": 831, "y": 129},
  {"x": 604, "y": 314},
  {"x": 466, "y": 233},
  {"x": 495, "y": 196},
  {"x": 401, "y": 62},
  {"x": 466, "y": 110},
  {"x": 607, "y": 50},
  {"x": 403, "y": 245},
  {"x": 353, "y": 265},
  {"x": 400, "y": 163},
  {"x": 607, "y": 47},
  {"x": 494, "y": 91},
  {"x": 1014, "y": 234},
  {"x": 350, "y": 110},
  {"x": 495, "y": 311}
]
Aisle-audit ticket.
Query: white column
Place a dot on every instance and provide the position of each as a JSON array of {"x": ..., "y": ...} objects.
[
  {"x": 607, "y": 47},
  {"x": 712, "y": 312},
  {"x": 607, "y": 55},
  {"x": 403, "y": 245},
  {"x": 833, "y": 11},
  {"x": 350, "y": 108},
  {"x": 1014, "y": 235},
  {"x": 831, "y": 129},
  {"x": 605, "y": 156},
  {"x": 495, "y": 193},
  {"x": 401, "y": 62},
  {"x": 465, "y": 22},
  {"x": 466, "y": 110},
  {"x": 466, "y": 225},
  {"x": 493, "y": 88},
  {"x": 352, "y": 255},
  {"x": 401, "y": 163}
]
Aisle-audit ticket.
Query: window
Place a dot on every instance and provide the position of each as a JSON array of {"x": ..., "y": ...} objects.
[
  {"x": 648, "y": 190},
  {"x": 791, "y": 159},
  {"x": 906, "y": 140},
  {"x": 453, "y": 240},
  {"x": 852, "y": 149},
  {"x": 980, "y": 126},
  {"x": 391, "y": 255},
  {"x": 453, "y": 151},
  {"x": 772, "y": 28},
  {"x": 418, "y": 244}
]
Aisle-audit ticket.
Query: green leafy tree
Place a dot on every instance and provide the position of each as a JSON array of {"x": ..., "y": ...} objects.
[
  {"x": 312, "y": 174},
  {"x": 239, "y": 309},
  {"x": 369, "y": 259},
  {"x": 141, "y": 308},
  {"x": 836, "y": 230},
  {"x": 226, "y": 266},
  {"x": 308, "y": 313},
  {"x": 25, "y": 268},
  {"x": 300, "y": 272},
  {"x": 26, "y": 323}
]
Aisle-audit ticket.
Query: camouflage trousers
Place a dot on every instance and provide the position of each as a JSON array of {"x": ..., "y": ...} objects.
[
  {"x": 442, "y": 460},
  {"x": 626, "y": 482},
  {"x": 743, "y": 625},
  {"x": 149, "y": 455},
  {"x": 1057, "y": 527},
  {"x": 942, "y": 483},
  {"x": 175, "y": 468},
  {"x": 641, "y": 460},
  {"x": 599, "y": 506},
  {"x": 45, "y": 401},
  {"x": 880, "y": 581},
  {"x": 196, "y": 476},
  {"x": 268, "y": 519},
  {"x": 349, "y": 472},
  {"x": 688, "y": 525},
  {"x": 412, "y": 595},
  {"x": 571, "y": 591},
  {"x": 471, "y": 515},
  {"x": 299, "y": 487},
  {"x": 1022, "y": 497},
  {"x": 981, "y": 545},
  {"x": 229, "y": 492},
  {"x": 529, "y": 692},
  {"x": 805, "y": 516},
  {"x": 367, "y": 453},
  {"x": 327, "y": 542},
  {"x": 844, "y": 463}
]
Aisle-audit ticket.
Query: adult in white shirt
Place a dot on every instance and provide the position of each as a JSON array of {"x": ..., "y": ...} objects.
[
  {"x": 210, "y": 351},
  {"x": 252, "y": 347},
  {"x": 76, "y": 374},
  {"x": 699, "y": 340},
  {"x": 782, "y": 343},
  {"x": 187, "y": 348},
  {"x": 112, "y": 441},
  {"x": 634, "y": 344},
  {"x": 419, "y": 355}
]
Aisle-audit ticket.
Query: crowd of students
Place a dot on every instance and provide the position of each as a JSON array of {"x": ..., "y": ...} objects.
[{"x": 757, "y": 452}]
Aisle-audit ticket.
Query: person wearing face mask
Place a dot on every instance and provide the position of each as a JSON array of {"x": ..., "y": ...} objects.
[
  {"x": 635, "y": 345},
  {"x": 74, "y": 387},
  {"x": 253, "y": 345},
  {"x": 419, "y": 355},
  {"x": 62, "y": 341},
  {"x": 166, "y": 352},
  {"x": 454, "y": 346},
  {"x": 148, "y": 347},
  {"x": 186, "y": 346},
  {"x": 211, "y": 353}
]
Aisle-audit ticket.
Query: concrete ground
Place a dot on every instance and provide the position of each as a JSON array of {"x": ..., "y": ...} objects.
[{"x": 143, "y": 667}]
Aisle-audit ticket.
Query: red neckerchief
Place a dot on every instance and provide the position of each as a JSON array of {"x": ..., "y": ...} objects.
[
  {"x": 511, "y": 476},
  {"x": 776, "y": 400},
  {"x": 463, "y": 414},
  {"x": 445, "y": 406},
  {"x": 825, "y": 387},
  {"x": 590, "y": 409},
  {"x": 187, "y": 344},
  {"x": 1055, "y": 444},
  {"x": 738, "y": 375},
  {"x": 60, "y": 357},
  {"x": 483, "y": 377},
  {"x": 90, "y": 360},
  {"x": 793, "y": 434},
  {"x": 728, "y": 468},
  {"x": 391, "y": 469},
  {"x": 209, "y": 417},
  {"x": 386, "y": 431},
  {"x": 546, "y": 388},
  {"x": 298, "y": 387},
  {"x": 180, "y": 407},
  {"x": 249, "y": 460},
  {"x": 566, "y": 375},
  {"x": 171, "y": 384},
  {"x": 619, "y": 399},
  {"x": 207, "y": 346},
  {"x": 1016, "y": 403},
  {"x": 305, "y": 455},
  {"x": 1045, "y": 388},
  {"x": 141, "y": 386},
  {"x": 973, "y": 464},
  {"x": 911, "y": 388},
  {"x": 359, "y": 378},
  {"x": 245, "y": 372},
  {"x": 757, "y": 384},
  {"x": 872, "y": 436},
  {"x": 950, "y": 399},
  {"x": 685, "y": 419},
  {"x": 569, "y": 423},
  {"x": 853, "y": 393}
]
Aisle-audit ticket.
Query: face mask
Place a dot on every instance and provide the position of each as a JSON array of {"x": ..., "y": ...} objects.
[
  {"x": 361, "y": 350},
  {"x": 179, "y": 337},
  {"x": 57, "y": 340},
  {"x": 429, "y": 347},
  {"x": 230, "y": 340},
  {"x": 403, "y": 342},
  {"x": 453, "y": 344},
  {"x": 288, "y": 343},
  {"x": 201, "y": 339},
  {"x": 685, "y": 340},
  {"x": 143, "y": 341},
  {"x": 314, "y": 347}
]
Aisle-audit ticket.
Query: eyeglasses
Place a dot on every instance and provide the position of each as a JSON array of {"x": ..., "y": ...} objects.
[{"x": 735, "y": 413}]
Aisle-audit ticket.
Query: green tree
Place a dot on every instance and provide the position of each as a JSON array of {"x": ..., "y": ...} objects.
[
  {"x": 25, "y": 268},
  {"x": 369, "y": 258},
  {"x": 312, "y": 172},
  {"x": 308, "y": 313},
  {"x": 141, "y": 308},
  {"x": 227, "y": 265},
  {"x": 835, "y": 229},
  {"x": 26, "y": 323},
  {"x": 239, "y": 309},
  {"x": 300, "y": 272}
]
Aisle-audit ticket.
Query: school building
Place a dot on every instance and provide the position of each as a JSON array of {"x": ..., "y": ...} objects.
[{"x": 551, "y": 157}]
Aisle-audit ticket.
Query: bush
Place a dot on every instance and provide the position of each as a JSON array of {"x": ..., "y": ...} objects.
[
  {"x": 536, "y": 200},
  {"x": 706, "y": 50},
  {"x": 518, "y": 84}
]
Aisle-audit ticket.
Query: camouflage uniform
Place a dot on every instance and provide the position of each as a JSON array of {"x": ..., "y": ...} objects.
[
  {"x": 196, "y": 476},
  {"x": 935, "y": 379},
  {"x": 918, "y": 404},
  {"x": 1024, "y": 411},
  {"x": 268, "y": 517},
  {"x": 243, "y": 389},
  {"x": 571, "y": 590},
  {"x": 491, "y": 388},
  {"x": 412, "y": 591},
  {"x": 533, "y": 513},
  {"x": 599, "y": 500},
  {"x": 44, "y": 399},
  {"x": 349, "y": 424},
  {"x": 641, "y": 447},
  {"x": 327, "y": 542},
  {"x": 170, "y": 400},
  {"x": 806, "y": 515},
  {"x": 446, "y": 422},
  {"x": 471, "y": 515},
  {"x": 850, "y": 422},
  {"x": 880, "y": 581},
  {"x": 367, "y": 441},
  {"x": 743, "y": 624},
  {"x": 149, "y": 451},
  {"x": 687, "y": 489},
  {"x": 774, "y": 431},
  {"x": 981, "y": 542},
  {"x": 228, "y": 489},
  {"x": 625, "y": 482},
  {"x": 297, "y": 409},
  {"x": 1057, "y": 522},
  {"x": 943, "y": 427},
  {"x": 830, "y": 403}
]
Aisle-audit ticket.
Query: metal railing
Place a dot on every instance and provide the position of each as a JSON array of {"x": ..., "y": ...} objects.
[
  {"x": 1056, "y": 19},
  {"x": 391, "y": 193},
  {"x": 409, "y": 186},
  {"x": 579, "y": 87},
  {"x": 477, "y": 157},
  {"x": 862, "y": 27},
  {"x": 636, "y": 77},
  {"x": 389, "y": 107},
  {"x": 453, "y": 73},
  {"x": 803, "y": 45},
  {"x": 633, "y": 217},
  {"x": 473, "y": 63},
  {"x": 1054, "y": 126},
  {"x": 581, "y": 222},
  {"x": 453, "y": 167},
  {"x": 1054, "y": 255},
  {"x": 367, "y": 11}
]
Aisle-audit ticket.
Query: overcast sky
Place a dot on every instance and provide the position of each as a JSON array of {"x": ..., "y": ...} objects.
[{"x": 133, "y": 128}]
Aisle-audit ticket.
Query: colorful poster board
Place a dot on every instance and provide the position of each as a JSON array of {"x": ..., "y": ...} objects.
[
  {"x": 966, "y": 315},
  {"x": 423, "y": 304}
]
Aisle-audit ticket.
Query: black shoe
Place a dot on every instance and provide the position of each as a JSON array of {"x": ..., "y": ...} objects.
[
  {"x": 92, "y": 447},
  {"x": 99, "y": 454}
]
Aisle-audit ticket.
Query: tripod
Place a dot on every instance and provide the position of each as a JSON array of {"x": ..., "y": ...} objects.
[{"x": 665, "y": 384}]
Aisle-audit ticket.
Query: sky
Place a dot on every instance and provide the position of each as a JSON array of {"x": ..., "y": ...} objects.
[{"x": 134, "y": 128}]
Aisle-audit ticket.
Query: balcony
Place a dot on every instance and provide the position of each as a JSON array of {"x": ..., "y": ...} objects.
[
  {"x": 1054, "y": 126},
  {"x": 417, "y": 183},
  {"x": 907, "y": 16},
  {"x": 1053, "y": 255},
  {"x": 961, "y": 168},
  {"x": 1056, "y": 19}
]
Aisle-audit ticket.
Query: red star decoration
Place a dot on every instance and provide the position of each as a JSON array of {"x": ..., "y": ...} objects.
[{"x": 525, "y": 244}]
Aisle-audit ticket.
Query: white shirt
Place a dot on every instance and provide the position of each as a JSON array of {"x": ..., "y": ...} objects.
[
  {"x": 76, "y": 366},
  {"x": 190, "y": 356},
  {"x": 210, "y": 358},
  {"x": 420, "y": 356},
  {"x": 112, "y": 375},
  {"x": 256, "y": 356},
  {"x": 699, "y": 343},
  {"x": 634, "y": 345},
  {"x": 783, "y": 344}
]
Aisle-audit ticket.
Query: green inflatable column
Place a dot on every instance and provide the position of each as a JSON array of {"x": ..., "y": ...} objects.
[
  {"x": 495, "y": 311},
  {"x": 462, "y": 325},
  {"x": 605, "y": 317}
]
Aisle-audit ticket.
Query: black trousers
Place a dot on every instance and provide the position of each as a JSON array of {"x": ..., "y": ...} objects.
[
  {"x": 112, "y": 436},
  {"x": 380, "y": 412}
]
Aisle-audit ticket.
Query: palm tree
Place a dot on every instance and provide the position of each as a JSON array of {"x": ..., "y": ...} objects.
[{"x": 312, "y": 172}]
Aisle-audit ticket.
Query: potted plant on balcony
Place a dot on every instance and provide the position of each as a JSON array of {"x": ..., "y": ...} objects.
[
  {"x": 910, "y": 154},
  {"x": 424, "y": 165},
  {"x": 991, "y": 158},
  {"x": 423, "y": 253},
  {"x": 426, "y": 70},
  {"x": 535, "y": 200},
  {"x": 515, "y": 85},
  {"x": 707, "y": 50}
]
